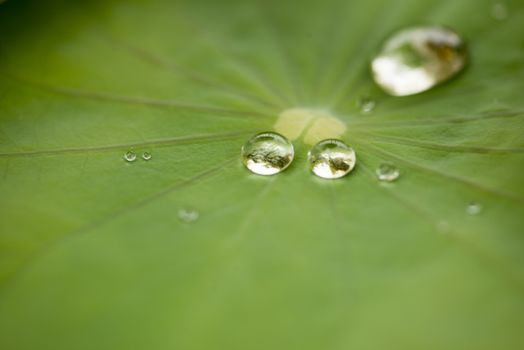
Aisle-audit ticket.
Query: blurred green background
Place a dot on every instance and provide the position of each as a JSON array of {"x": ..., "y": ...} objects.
[{"x": 96, "y": 252}]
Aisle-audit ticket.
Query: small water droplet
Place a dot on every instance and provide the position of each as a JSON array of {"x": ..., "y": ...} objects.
[
  {"x": 416, "y": 59},
  {"x": 366, "y": 105},
  {"x": 499, "y": 11},
  {"x": 130, "y": 156},
  {"x": 146, "y": 156},
  {"x": 473, "y": 208},
  {"x": 267, "y": 153},
  {"x": 443, "y": 227},
  {"x": 188, "y": 215},
  {"x": 387, "y": 172},
  {"x": 331, "y": 159}
]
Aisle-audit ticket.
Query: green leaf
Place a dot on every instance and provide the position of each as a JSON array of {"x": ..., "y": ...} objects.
[{"x": 94, "y": 255}]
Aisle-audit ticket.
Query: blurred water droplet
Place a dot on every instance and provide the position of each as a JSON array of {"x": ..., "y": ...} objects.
[
  {"x": 146, "y": 156},
  {"x": 366, "y": 105},
  {"x": 331, "y": 159},
  {"x": 267, "y": 153},
  {"x": 499, "y": 11},
  {"x": 473, "y": 208},
  {"x": 416, "y": 59},
  {"x": 188, "y": 215},
  {"x": 130, "y": 156},
  {"x": 443, "y": 227},
  {"x": 387, "y": 172}
]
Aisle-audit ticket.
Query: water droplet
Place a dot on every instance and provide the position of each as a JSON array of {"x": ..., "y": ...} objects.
[
  {"x": 146, "y": 156},
  {"x": 331, "y": 159},
  {"x": 473, "y": 208},
  {"x": 387, "y": 172},
  {"x": 443, "y": 227},
  {"x": 188, "y": 215},
  {"x": 130, "y": 156},
  {"x": 267, "y": 153},
  {"x": 416, "y": 59},
  {"x": 366, "y": 105},
  {"x": 499, "y": 11}
]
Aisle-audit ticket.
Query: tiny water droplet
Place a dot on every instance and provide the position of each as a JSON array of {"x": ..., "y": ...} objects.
[
  {"x": 387, "y": 172},
  {"x": 443, "y": 227},
  {"x": 499, "y": 11},
  {"x": 188, "y": 215},
  {"x": 416, "y": 59},
  {"x": 366, "y": 105},
  {"x": 473, "y": 208},
  {"x": 146, "y": 156},
  {"x": 331, "y": 159},
  {"x": 130, "y": 156},
  {"x": 267, "y": 153}
]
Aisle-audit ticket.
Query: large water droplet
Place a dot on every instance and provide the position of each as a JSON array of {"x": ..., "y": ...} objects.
[
  {"x": 499, "y": 11},
  {"x": 473, "y": 208},
  {"x": 130, "y": 156},
  {"x": 331, "y": 159},
  {"x": 387, "y": 172},
  {"x": 416, "y": 59},
  {"x": 146, "y": 156},
  {"x": 366, "y": 105},
  {"x": 188, "y": 215},
  {"x": 267, "y": 153}
]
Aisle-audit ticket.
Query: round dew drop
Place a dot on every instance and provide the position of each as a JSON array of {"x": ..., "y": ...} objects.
[
  {"x": 499, "y": 11},
  {"x": 146, "y": 156},
  {"x": 331, "y": 159},
  {"x": 366, "y": 105},
  {"x": 130, "y": 156},
  {"x": 416, "y": 59},
  {"x": 267, "y": 153},
  {"x": 387, "y": 172},
  {"x": 188, "y": 215},
  {"x": 443, "y": 227},
  {"x": 474, "y": 208}
]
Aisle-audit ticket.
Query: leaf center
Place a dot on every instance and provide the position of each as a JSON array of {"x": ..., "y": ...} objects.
[{"x": 309, "y": 124}]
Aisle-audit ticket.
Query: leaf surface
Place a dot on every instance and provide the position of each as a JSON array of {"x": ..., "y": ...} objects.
[{"x": 94, "y": 254}]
